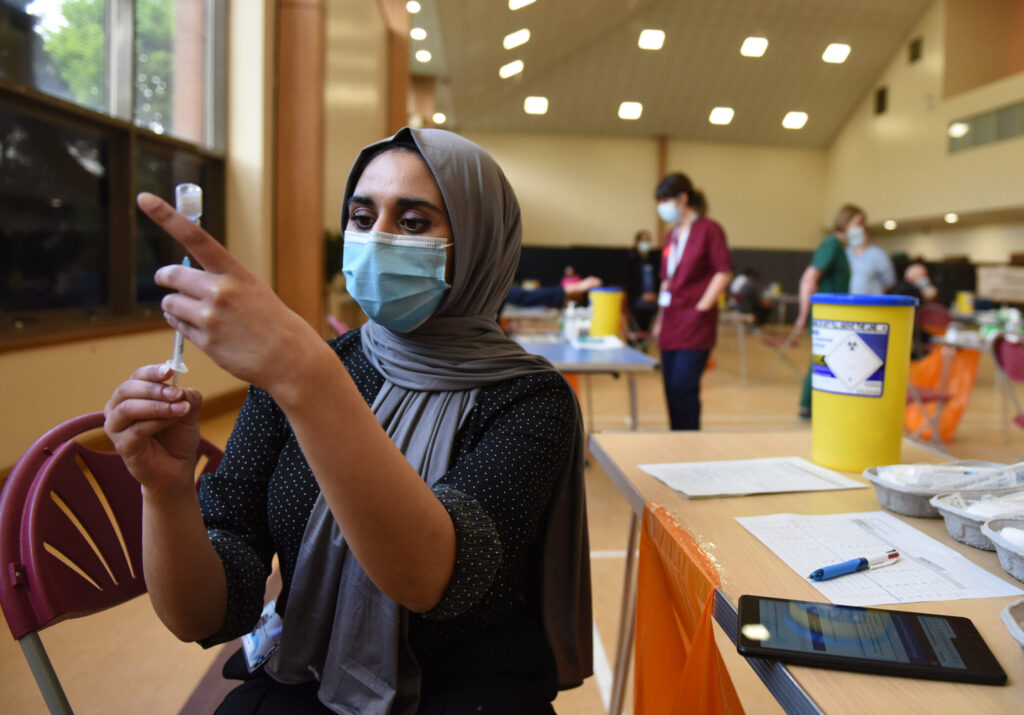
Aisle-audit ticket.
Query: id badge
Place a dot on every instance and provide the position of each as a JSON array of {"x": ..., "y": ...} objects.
[
  {"x": 664, "y": 299},
  {"x": 259, "y": 645}
]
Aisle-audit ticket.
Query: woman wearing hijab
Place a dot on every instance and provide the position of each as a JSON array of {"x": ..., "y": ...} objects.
[
  {"x": 696, "y": 268},
  {"x": 419, "y": 479}
]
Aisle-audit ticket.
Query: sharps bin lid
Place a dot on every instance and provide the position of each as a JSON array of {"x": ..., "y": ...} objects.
[{"x": 855, "y": 299}]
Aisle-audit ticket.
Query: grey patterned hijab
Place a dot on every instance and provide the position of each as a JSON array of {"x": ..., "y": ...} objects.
[{"x": 339, "y": 628}]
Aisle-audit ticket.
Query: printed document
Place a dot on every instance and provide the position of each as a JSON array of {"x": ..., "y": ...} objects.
[
  {"x": 927, "y": 570},
  {"x": 748, "y": 476}
]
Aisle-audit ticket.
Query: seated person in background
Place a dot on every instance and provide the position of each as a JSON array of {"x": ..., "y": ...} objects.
[
  {"x": 642, "y": 288},
  {"x": 745, "y": 296},
  {"x": 916, "y": 283},
  {"x": 871, "y": 271},
  {"x": 569, "y": 276},
  {"x": 420, "y": 479},
  {"x": 552, "y": 296}
]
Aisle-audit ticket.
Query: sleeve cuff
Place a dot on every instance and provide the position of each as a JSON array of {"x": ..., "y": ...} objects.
[{"x": 478, "y": 553}]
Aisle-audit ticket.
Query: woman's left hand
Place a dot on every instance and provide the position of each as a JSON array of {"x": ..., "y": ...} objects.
[{"x": 225, "y": 310}]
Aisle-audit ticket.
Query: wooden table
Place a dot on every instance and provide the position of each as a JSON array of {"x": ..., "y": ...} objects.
[{"x": 749, "y": 567}]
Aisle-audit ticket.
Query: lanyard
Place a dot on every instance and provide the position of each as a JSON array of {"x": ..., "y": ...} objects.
[{"x": 676, "y": 253}]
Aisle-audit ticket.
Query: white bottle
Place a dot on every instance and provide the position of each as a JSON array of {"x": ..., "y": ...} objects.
[{"x": 569, "y": 328}]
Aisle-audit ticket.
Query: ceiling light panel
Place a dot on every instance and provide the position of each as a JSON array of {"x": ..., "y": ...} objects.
[
  {"x": 951, "y": 218},
  {"x": 517, "y": 4},
  {"x": 794, "y": 120},
  {"x": 423, "y": 56},
  {"x": 890, "y": 225},
  {"x": 418, "y": 33},
  {"x": 754, "y": 47},
  {"x": 836, "y": 53},
  {"x": 959, "y": 129},
  {"x": 721, "y": 115},
  {"x": 412, "y": 7},
  {"x": 439, "y": 118},
  {"x": 651, "y": 39},
  {"x": 514, "y": 39},
  {"x": 511, "y": 69},
  {"x": 535, "y": 105},
  {"x": 630, "y": 110}
]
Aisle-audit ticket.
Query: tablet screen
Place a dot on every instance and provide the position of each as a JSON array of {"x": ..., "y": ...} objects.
[{"x": 898, "y": 642}]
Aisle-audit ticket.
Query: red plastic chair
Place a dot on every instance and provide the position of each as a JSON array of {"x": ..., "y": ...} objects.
[
  {"x": 1009, "y": 357},
  {"x": 70, "y": 539}
]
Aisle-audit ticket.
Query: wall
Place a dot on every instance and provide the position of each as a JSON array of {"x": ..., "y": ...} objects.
[
  {"x": 897, "y": 165},
  {"x": 984, "y": 244},
  {"x": 355, "y": 82},
  {"x": 47, "y": 385},
  {"x": 598, "y": 191}
]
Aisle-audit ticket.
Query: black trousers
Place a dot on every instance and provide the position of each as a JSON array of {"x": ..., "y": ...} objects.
[{"x": 265, "y": 696}]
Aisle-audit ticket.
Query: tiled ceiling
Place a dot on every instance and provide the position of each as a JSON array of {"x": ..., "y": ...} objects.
[{"x": 583, "y": 56}]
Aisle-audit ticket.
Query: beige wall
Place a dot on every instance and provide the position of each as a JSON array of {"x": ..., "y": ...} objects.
[
  {"x": 355, "y": 93},
  {"x": 898, "y": 166},
  {"x": 764, "y": 197},
  {"x": 984, "y": 244},
  {"x": 598, "y": 191}
]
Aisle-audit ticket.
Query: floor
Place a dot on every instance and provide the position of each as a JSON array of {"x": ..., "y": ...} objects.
[{"x": 123, "y": 661}]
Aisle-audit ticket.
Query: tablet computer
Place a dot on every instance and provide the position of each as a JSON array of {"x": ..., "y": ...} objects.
[{"x": 870, "y": 640}]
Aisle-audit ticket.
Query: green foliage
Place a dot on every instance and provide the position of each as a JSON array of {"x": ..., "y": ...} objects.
[{"x": 78, "y": 49}]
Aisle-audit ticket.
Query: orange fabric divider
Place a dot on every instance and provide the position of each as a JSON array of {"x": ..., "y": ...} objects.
[
  {"x": 573, "y": 378},
  {"x": 678, "y": 667},
  {"x": 927, "y": 372}
]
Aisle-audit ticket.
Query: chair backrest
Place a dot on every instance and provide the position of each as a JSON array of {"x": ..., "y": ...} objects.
[
  {"x": 1010, "y": 357},
  {"x": 933, "y": 318},
  {"x": 71, "y": 530}
]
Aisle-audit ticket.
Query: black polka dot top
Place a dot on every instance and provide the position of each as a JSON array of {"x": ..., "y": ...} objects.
[{"x": 514, "y": 445}]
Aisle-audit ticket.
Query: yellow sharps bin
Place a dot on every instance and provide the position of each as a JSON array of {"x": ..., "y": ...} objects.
[{"x": 860, "y": 357}]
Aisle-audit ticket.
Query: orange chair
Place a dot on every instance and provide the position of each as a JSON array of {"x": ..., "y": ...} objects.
[
  {"x": 70, "y": 539},
  {"x": 678, "y": 667},
  {"x": 943, "y": 370}
]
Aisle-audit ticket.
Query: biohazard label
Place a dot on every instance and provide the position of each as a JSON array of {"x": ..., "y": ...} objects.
[{"x": 848, "y": 358}]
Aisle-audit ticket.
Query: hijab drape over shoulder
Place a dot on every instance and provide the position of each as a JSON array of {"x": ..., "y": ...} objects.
[{"x": 338, "y": 627}]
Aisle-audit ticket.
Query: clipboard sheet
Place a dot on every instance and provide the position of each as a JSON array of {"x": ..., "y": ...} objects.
[
  {"x": 739, "y": 477},
  {"x": 927, "y": 570}
]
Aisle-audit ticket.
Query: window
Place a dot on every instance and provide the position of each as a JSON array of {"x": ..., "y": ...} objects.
[
  {"x": 881, "y": 100},
  {"x": 915, "y": 49},
  {"x": 100, "y": 99}
]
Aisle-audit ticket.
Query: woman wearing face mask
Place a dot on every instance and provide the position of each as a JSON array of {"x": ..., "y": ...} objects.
[
  {"x": 829, "y": 272},
  {"x": 642, "y": 286},
  {"x": 696, "y": 268},
  {"x": 418, "y": 479},
  {"x": 871, "y": 269}
]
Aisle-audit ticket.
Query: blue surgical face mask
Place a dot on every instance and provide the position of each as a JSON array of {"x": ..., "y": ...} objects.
[
  {"x": 643, "y": 246},
  {"x": 398, "y": 281},
  {"x": 669, "y": 212},
  {"x": 855, "y": 236}
]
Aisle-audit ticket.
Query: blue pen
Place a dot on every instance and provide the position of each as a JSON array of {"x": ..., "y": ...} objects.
[{"x": 855, "y": 565}]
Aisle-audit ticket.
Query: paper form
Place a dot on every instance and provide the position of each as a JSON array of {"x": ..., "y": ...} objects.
[
  {"x": 748, "y": 476},
  {"x": 927, "y": 571}
]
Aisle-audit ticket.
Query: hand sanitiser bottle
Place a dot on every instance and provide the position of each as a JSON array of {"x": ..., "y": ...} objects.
[{"x": 188, "y": 200}]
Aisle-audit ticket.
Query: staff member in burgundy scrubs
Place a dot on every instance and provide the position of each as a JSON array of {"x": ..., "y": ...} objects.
[{"x": 696, "y": 268}]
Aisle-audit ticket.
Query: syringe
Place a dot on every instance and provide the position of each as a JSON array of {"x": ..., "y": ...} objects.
[{"x": 188, "y": 200}]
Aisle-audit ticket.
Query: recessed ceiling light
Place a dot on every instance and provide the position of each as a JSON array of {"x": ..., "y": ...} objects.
[
  {"x": 512, "y": 68},
  {"x": 535, "y": 105},
  {"x": 439, "y": 118},
  {"x": 951, "y": 217},
  {"x": 418, "y": 33},
  {"x": 753, "y": 47},
  {"x": 651, "y": 39},
  {"x": 630, "y": 110},
  {"x": 890, "y": 225},
  {"x": 412, "y": 7},
  {"x": 516, "y": 4},
  {"x": 836, "y": 53},
  {"x": 959, "y": 129},
  {"x": 514, "y": 39},
  {"x": 721, "y": 115},
  {"x": 794, "y": 120},
  {"x": 423, "y": 55}
]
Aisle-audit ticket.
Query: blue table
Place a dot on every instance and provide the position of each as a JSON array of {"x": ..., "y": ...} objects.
[{"x": 589, "y": 361}]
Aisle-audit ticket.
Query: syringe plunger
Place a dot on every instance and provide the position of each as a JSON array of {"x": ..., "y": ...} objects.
[{"x": 188, "y": 200}]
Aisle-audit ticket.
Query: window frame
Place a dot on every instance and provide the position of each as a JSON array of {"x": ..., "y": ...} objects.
[{"x": 122, "y": 314}]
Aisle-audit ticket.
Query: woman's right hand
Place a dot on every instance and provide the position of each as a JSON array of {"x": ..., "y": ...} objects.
[{"x": 155, "y": 428}]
